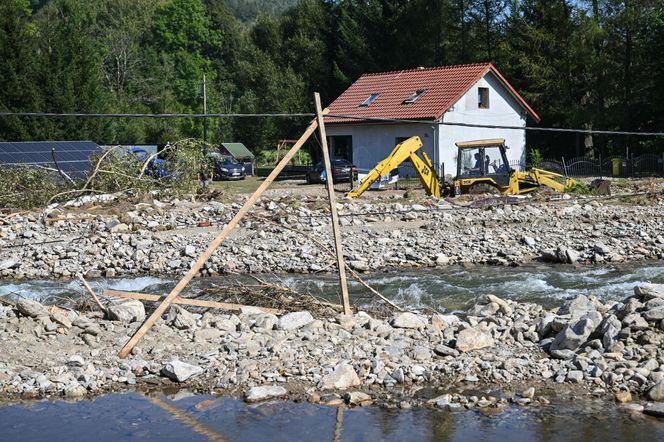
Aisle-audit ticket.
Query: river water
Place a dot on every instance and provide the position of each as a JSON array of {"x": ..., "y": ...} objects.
[
  {"x": 132, "y": 416},
  {"x": 188, "y": 417},
  {"x": 445, "y": 288}
]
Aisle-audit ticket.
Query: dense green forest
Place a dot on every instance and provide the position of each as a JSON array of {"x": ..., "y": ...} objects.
[{"x": 580, "y": 63}]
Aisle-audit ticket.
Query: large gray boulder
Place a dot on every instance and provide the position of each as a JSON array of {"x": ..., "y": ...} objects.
[
  {"x": 473, "y": 339},
  {"x": 30, "y": 308},
  {"x": 127, "y": 311},
  {"x": 264, "y": 392},
  {"x": 654, "y": 314},
  {"x": 295, "y": 320},
  {"x": 647, "y": 292},
  {"x": 343, "y": 376},
  {"x": 179, "y": 371},
  {"x": 573, "y": 335}
]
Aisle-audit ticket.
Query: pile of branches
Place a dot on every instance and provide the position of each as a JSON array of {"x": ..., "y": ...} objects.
[{"x": 27, "y": 187}]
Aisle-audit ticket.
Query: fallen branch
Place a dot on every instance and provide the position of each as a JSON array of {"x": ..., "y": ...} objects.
[{"x": 185, "y": 301}]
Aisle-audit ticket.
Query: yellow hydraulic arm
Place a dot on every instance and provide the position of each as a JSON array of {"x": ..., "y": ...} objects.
[{"x": 402, "y": 152}]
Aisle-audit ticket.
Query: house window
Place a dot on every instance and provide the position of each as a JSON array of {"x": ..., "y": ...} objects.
[
  {"x": 483, "y": 97},
  {"x": 414, "y": 96},
  {"x": 370, "y": 99}
]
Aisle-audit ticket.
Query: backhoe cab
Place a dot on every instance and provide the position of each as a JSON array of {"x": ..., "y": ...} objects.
[{"x": 485, "y": 162}]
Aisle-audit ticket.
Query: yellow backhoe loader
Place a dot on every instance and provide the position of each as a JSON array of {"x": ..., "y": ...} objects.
[{"x": 478, "y": 162}]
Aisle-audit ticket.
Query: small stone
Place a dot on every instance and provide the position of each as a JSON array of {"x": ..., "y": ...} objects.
[
  {"x": 76, "y": 361},
  {"x": 528, "y": 393},
  {"x": 444, "y": 350},
  {"x": 180, "y": 371},
  {"x": 343, "y": 376},
  {"x": 656, "y": 393},
  {"x": 265, "y": 392},
  {"x": 180, "y": 318},
  {"x": 358, "y": 399},
  {"x": 398, "y": 375},
  {"x": 408, "y": 320},
  {"x": 656, "y": 410},
  {"x": 473, "y": 339},
  {"x": 575, "y": 376},
  {"x": 623, "y": 397},
  {"x": 294, "y": 320}
]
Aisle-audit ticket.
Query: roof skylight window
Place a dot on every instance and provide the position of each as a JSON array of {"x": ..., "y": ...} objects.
[
  {"x": 413, "y": 98},
  {"x": 370, "y": 99}
]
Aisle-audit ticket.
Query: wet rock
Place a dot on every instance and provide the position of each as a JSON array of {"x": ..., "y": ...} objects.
[
  {"x": 265, "y": 392},
  {"x": 408, "y": 320},
  {"x": 30, "y": 308},
  {"x": 647, "y": 292},
  {"x": 656, "y": 393},
  {"x": 180, "y": 318},
  {"x": 656, "y": 410},
  {"x": 179, "y": 371},
  {"x": 127, "y": 311},
  {"x": 342, "y": 377},
  {"x": 295, "y": 320},
  {"x": 473, "y": 339},
  {"x": 357, "y": 399},
  {"x": 623, "y": 397}
]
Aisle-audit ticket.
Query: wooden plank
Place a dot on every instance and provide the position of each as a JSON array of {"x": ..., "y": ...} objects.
[
  {"x": 92, "y": 293},
  {"x": 184, "y": 301},
  {"x": 196, "y": 267},
  {"x": 187, "y": 419},
  {"x": 343, "y": 284}
]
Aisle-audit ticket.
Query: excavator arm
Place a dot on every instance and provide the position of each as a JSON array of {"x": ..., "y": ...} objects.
[
  {"x": 402, "y": 152},
  {"x": 528, "y": 181}
]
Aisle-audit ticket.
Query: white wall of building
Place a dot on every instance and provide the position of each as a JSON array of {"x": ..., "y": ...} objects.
[
  {"x": 503, "y": 110},
  {"x": 373, "y": 142}
]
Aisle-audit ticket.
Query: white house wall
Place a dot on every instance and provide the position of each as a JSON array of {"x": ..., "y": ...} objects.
[
  {"x": 503, "y": 110},
  {"x": 373, "y": 143}
]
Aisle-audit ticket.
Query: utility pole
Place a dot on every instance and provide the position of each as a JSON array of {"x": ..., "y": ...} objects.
[{"x": 205, "y": 127}]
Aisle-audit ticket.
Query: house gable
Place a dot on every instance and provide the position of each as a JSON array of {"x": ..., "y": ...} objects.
[{"x": 416, "y": 94}]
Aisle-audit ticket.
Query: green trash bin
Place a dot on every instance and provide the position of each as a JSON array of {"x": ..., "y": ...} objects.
[{"x": 616, "y": 166}]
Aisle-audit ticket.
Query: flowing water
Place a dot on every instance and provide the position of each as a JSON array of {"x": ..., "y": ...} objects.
[
  {"x": 187, "y": 417},
  {"x": 132, "y": 416},
  {"x": 446, "y": 288}
]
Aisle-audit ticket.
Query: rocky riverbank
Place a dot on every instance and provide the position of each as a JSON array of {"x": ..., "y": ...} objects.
[
  {"x": 506, "y": 351},
  {"x": 288, "y": 233}
]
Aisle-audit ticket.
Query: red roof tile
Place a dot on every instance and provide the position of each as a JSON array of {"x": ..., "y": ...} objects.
[{"x": 444, "y": 86}]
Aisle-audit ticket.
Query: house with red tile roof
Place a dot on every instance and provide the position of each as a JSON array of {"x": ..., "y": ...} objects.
[{"x": 382, "y": 109}]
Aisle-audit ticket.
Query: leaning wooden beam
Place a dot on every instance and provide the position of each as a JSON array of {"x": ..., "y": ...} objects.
[
  {"x": 185, "y": 301},
  {"x": 92, "y": 293},
  {"x": 196, "y": 267},
  {"x": 343, "y": 284}
]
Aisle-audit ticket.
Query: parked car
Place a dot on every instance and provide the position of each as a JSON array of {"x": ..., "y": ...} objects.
[
  {"x": 342, "y": 171},
  {"x": 157, "y": 168},
  {"x": 228, "y": 168}
]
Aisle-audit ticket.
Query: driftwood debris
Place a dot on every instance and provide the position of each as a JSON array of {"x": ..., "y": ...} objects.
[
  {"x": 196, "y": 267},
  {"x": 184, "y": 301}
]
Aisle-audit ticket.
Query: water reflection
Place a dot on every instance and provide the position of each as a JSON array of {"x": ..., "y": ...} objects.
[{"x": 136, "y": 417}]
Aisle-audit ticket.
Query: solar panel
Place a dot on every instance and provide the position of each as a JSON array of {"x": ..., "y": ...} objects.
[{"x": 73, "y": 157}]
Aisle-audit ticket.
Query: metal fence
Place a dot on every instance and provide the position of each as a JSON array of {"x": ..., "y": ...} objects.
[{"x": 634, "y": 166}]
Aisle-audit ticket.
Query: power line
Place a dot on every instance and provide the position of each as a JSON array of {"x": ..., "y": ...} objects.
[{"x": 340, "y": 116}]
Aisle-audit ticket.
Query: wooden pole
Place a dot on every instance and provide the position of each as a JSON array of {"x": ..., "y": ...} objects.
[
  {"x": 184, "y": 301},
  {"x": 333, "y": 208},
  {"x": 92, "y": 293},
  {"x": 187, "y": 419},
  {"x": 196, "y": 267}
]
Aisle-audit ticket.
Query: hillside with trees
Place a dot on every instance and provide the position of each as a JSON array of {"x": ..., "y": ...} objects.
[{"x": 580, "y": 63}]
